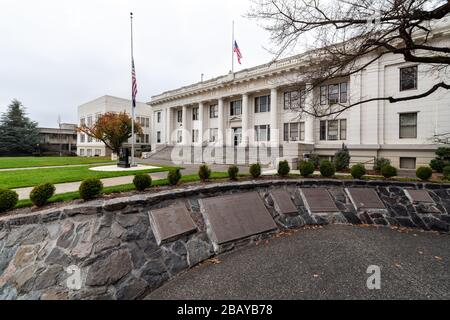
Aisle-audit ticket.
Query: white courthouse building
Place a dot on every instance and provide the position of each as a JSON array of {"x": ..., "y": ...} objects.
[
  {"x": 259, "y": 107},
  {"x": 90, "y": 111}
]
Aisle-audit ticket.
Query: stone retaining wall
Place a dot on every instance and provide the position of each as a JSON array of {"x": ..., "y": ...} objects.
[{"x": 112, "y": 243}]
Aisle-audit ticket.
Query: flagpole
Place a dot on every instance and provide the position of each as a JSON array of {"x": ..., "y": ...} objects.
[
  {"x": 232, "y": 49},
  {"x": 132, "y": 103}
]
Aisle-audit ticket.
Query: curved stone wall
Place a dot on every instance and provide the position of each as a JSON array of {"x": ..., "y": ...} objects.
[{"x": 111, "y": 244}]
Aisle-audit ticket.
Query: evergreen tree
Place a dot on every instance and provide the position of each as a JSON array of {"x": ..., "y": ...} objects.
[{"x": 18, "y": 134}]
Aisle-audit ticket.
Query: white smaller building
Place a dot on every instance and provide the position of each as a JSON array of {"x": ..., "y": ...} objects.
[{"x": 89, "y": 112}]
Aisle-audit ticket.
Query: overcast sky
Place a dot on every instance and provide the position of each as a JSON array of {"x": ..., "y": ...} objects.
[{"x": 56, "y": 55}]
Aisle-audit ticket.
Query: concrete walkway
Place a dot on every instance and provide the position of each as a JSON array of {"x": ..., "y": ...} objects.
[
  {"x": 24, "y": 193},
  {"x": 57, "y": 167}
]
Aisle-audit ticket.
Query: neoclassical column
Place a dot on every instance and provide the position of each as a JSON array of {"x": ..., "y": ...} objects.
[
  {"x": 184, "y": 122},
  {"x": 309, "y": 119},
  {"x": 169, "y": 129},
  {"x": 201, "y": 128},
  {"x": 221, "y": 117},
  {"x": 245, "y": 117},
  {"x": 274, "y": 130}
]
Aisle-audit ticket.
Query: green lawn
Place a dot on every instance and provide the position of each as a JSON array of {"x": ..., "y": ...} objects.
[
  {"x": 29, "y": 162},
  {"x": 123, "y": 188},
  {"x": 29, "y": 178}
]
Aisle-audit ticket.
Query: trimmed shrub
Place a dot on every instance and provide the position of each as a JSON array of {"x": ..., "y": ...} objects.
[
  {"x": 174, "y": 176},
  {"x": 41, "y": 193},
  {"x": 90, "y": 189},
  {"x": 233, "y": 172},
  {"x": 327, "y": 169},
  {"x": 306, "y": 168},
  {"x": 358, "y": 171},
  {"x": 204, "y": 172},
  {"x": 438, "y": 165},
  {"x": 424, "y": 173},
  {"x": 8, "y": 199},
  {"x": 255, "y": 170},
  {"x": 342, "y": 159},
  {"x": 380, "y": 163},
  {"x": 283, "y": 168},
  {"x": 315, "y": 159},
  {"x": 142, "y": 181},
  {"x": 388, "y": 171},
  {"x": 446, "y": 172}
]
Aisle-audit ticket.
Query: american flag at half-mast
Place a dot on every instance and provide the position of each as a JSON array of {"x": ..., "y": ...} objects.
[
  {"x": 238, "y": 52},
  {"x": 134, "y": 83}
]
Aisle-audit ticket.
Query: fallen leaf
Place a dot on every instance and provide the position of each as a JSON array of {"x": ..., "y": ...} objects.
[
  {"x": 215, "y": 261},
  {"x": 398, "y": 265},
  {"x": 438, "y": 258},
  {"x": 315, "y": 275},
  {"x": 420, "y": 252}
]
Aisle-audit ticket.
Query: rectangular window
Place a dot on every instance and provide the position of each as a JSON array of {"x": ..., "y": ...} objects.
[
  {"x": 286, "y": 132},
  {"x": 333, "y": 130},
  {"x": 82, "y": 138},
  {"x": 179, "y": 116},
  {"x": 82, "y": 123},
  {"x": 213, "y": 134},
  {"x": 89, "y": 121},
  {"x": 407, "y": 163},
  {"x": 214, "y": 111},
  {"x": 302, "y": 131},
  {"x": 323, "y": 95},
  {"x": 147, "y": 138},
  {"x": 333, "y": 93},
  {"x": 89, "y": 139},
  {"x": 287, "y": 100},
  {"x": 293, "y": 132},
  {"x": 89, "y": 152},
  {"x": 179, "y": 136},
  {"x": 158, "y": 117},
  {"x": 408, "y": 78},
  {"x": 195, "y": 114},
  {"x": 97, "y": 116},
  {"x": 262, "y": 104},
  {"x": 98, "y": 152},
  {"x": 147, "y": 122},
  {"x": 262, "y": 133},
  {"x": 343, "y": 92},
  {"x": 236, "y": 108},
  {"x": 408, "y": 125},
  {"x": 82, "y": 152},
  {"x": 294, "y": 99},
  {"x": 323, "y": 130},
  {"x": 195, "y": 136},
  {"x": 142, "y": 122},
  {"x": 158, "y": 137},
  {"x": 343, "y": 129}
]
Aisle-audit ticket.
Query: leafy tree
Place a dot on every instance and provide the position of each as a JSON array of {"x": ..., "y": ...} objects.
[
  {"x": 113, "y": 129},
  {"x": 18, "y": 134}
]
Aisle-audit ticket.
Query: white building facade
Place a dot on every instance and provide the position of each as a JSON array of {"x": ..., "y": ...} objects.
[
  {"x": 260, "y": 107},
  {"x": 89, "y": 112}
]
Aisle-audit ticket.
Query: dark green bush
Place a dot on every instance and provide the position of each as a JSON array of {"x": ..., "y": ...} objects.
[
  {"x": 204, "y": 172},
  {"x": 437, "y": 165},
  {"x": 8, "y": 199},
  {"x": 255, "y": 170},
  {"x": 90, "y": 189},
  {"x": 306, "y": 168},
  {"x": 41, "y": 193},
  {"x": 424, "y": 173},
  {"x": 327, "y": 169},
  {"x": 342, "y": 159},
  {"x": 283, "y": 168},
  {"x": 233, "y": 172},
  {"x": 358, "y": 171},
  {"x": 174, "y": 176},
  {"x": 315, "y": 159},
  {"x": 388, "y": 171},
  {"x": 380, "y": 163},
  {"x": 142, "y": 181},
  {"x": 446, "y": 172}
]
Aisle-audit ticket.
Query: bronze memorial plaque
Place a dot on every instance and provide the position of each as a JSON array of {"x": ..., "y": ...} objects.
[
  {"x": 419, "y": 196},
  {"x": 283, "y": 202},
  {"x": 171, "y": 222},
  {"x": 319, "y": 200},
  {"x": 363, "y": 198},
  {"x": 236, "y": 216}
]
